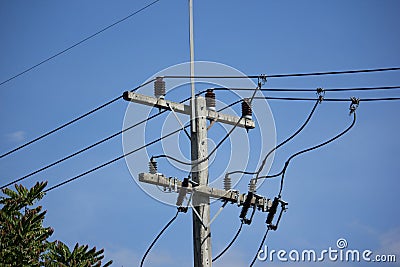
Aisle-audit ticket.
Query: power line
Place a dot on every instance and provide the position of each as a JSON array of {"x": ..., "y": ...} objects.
[
  {"x": 377, "y": 88},
  {"x": 157, "y": 237},
  {"x": 286, "y": 165},
  {"x": 328, "y": 99},
  {"x": 288, "y": 139},
  {"x": 284, "y": 75},
  {"x": 313, "y": 148},
  {"x": 71, "y": 122},
  {"x": 111, "y": 161},
  {"x": 80, "y": 151},
  {"x": 78, "y": 43},
  {"x": 262, "y": 242},
  {"x": 86, "y": 148},
  {"x": 230, "y": 243}
]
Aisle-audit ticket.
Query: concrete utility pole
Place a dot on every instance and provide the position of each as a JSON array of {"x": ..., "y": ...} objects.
[
  {"x": 201, "y": 203},
  {"x": 201, "y": 192}
]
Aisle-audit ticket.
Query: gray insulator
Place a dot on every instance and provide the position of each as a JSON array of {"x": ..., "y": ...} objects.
[
  {"x": 227, "y": 182},
  {"x": 159, "y": 88},
  {"x": 246, "y": 109},
  {"x": 252, "y": 185},
  {"x": 210, "y": 99},
  {"x": 152, "y": 166}
]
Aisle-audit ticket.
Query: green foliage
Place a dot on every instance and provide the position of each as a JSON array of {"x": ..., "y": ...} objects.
[
  {"x": 60, "y": 255},
  {"x": 24, "y": 240}
]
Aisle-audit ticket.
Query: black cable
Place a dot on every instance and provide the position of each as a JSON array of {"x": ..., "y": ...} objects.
[
  {"x": 288, "y": 139},
  {"x": 379, "y": 88},
  {"x": 71, "y": 122},
  {"x": 60, "y": 127},
  {"x": 327, "y": 99},
  {"x": 313, "y": 148},
  {"x": 157, "y": 237},
  {"x": 85, "y": 149},
  {"x": 281, "y": 144},
  {"x": 78, "y": 43},
  {"x": 230, "y": 243},
  {"x": 111, "y": 161},
  {"x": 259, "y": 249},
  {"x": 284, "y": 75}
]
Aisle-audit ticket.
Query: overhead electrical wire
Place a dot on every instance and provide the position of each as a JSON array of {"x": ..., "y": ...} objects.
[
  {"x": 313, "y": 148},
  {"x": 112, "y": 161},
  {"x": 260, "y": 247},
  {"x": 157, "y": 237},
  {"x": 282, "y": 172},
  {"x": 287, "y": 164},
  {"x": 261, "y": 167},
  {"x": 230, "y": 243},
  {"x": 283, "y": 75},
  {"x": 288, "y": 139},
  {"x": 86, "y": 148},
  {"x": 329, "y": 99},
  {"x": 71, "y": 121},
  {"x": 296, "y": 90},
  {"x": 280, "y": 144},
  {"x": 78, "y": 43}
]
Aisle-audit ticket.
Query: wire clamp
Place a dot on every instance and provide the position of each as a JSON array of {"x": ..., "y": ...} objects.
[
  {"x": 182, "y": 209},
  {"x": 262, "y": 79},
  {"x": 355, "y": 102},
  {"x": 321, "y": 94}
]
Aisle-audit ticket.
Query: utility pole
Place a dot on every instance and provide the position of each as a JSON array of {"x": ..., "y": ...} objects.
[
  {"x": 198, "y": 187},
  {"x": 201, "y": 203},
  {"x": 201, "y": 110}
]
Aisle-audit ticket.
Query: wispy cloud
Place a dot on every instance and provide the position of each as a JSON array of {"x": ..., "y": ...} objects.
[
  {"x": 16, "y": 137},
  {"x": 390, "y": 241}
]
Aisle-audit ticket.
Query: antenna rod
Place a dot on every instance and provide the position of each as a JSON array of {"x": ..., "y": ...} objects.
[{"x": 191, "y": 42}]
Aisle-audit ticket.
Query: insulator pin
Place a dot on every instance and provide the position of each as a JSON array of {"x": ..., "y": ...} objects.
[
  {"x": 210, "y": 99},
  {"x": 159, "y": 88},
  {"x": 227, "y": 182},
  {"x": 152, "y": 166},
  {"x": 246, "y": 109}
]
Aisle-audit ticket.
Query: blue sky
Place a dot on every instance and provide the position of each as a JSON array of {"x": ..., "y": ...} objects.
[{"x": 346, "y": 189}]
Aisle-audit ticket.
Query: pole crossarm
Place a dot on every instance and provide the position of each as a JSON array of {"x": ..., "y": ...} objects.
[
  {"x": 173, "y": 184},
  {"x": 186, "y": 109}
]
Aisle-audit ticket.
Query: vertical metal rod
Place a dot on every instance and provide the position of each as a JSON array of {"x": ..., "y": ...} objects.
[{"x": 191, "y": 43}]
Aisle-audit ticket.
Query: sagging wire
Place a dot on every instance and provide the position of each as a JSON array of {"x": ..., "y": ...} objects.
[
  {"x": 230, "y": 244},
  {"x": 353, "y": 107},
  {"x": 179, "y": 210},
  {"x": 320, "y": 92}
]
